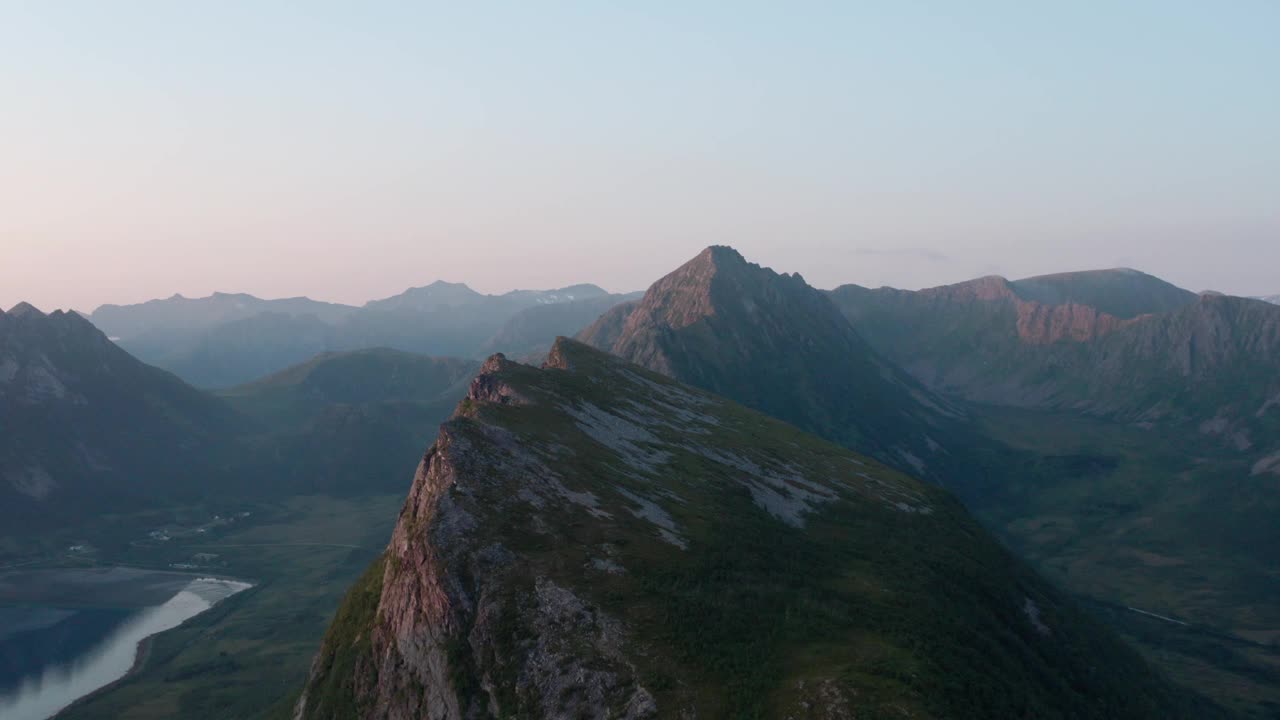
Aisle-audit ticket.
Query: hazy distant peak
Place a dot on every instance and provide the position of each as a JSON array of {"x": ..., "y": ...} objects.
[
  {"x": 25, "y": 308},
  {"x": 571, "y": 293},
  {"x": 580, "y": 291},
  {"x": 429, "y": 297},
  {"x": 184, "y": 316},
  {"x": 1117, "y": 272},
  {"x": 1122, "y": 292}
]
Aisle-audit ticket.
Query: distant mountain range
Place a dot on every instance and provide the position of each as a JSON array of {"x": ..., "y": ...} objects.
[
  {"x": 1120, "y": 433},
  {"x": 594, "y": 540},
  {"x": 86, "y": 428},
  {"x": 347, "y": 423},
  {"x": 1150, "y": 421},
  {"x": 225, "y": 340},
  {"x": 1273, "y": 299},
  {"x": 1116, "y": 343}
]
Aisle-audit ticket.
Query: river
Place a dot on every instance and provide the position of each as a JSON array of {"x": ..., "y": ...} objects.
[{"x": 66, "y": 633}]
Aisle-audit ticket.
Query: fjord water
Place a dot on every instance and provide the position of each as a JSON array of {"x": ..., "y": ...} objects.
[{"x": 51, "y": 656}]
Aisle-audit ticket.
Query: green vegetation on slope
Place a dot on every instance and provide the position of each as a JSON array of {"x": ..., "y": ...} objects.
[
  {"x": 248, "y": 656},
  {"x": 1163, "y": 522},
  {"x": 885, "y": 595}
]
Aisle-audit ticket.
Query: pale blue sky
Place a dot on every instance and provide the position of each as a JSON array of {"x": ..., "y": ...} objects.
[{"x": 348, "y": 150}]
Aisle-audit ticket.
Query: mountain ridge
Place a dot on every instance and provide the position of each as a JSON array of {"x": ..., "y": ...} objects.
[
  {"x": 772, "y": 342},
  {"x": 228, "y": 339},
  {"x": 87, "y": 426},
  {"x": 994, "y": 347},
  {"x": 547, "y": 564}
]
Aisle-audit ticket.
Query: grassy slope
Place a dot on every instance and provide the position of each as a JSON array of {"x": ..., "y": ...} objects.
[
  {"x": 1169, "y": 519},
  {"x": 921, "y": 613},
  {"x": 247, "y": 657},
  {"x": 1164, "y": 523}
]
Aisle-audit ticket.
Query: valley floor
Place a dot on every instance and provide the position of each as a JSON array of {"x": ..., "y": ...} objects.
[{"x": 249, "y": 655}]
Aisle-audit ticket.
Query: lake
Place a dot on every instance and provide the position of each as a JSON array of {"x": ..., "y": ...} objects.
[{"x": 65, "y": 633}]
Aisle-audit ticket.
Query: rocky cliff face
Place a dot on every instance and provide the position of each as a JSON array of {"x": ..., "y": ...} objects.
[
  {"x": 772, "y": 342},
  {"x": 592, "y": 540},
  {"x": 1044, "y": 325},
  {"x": 1035, "y": 322}
]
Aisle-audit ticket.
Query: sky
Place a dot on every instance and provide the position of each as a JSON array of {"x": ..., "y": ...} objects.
[{"x": 347, "y": 151}]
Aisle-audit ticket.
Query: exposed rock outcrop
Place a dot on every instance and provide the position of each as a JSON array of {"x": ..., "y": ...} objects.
[
  {"x": 772, "y": 342},
  {"x": 618, "y": 546}
]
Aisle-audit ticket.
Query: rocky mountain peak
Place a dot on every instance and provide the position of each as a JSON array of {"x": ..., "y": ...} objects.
[
  {"x": 558, "y": 358},
  {"x": 25, "y": 308},
  {"x": 720, "y": 282},
  {"x": 719, "y": 255},
  {"x": 489, "y": 387},
  {"x": 772, "y": 342}
]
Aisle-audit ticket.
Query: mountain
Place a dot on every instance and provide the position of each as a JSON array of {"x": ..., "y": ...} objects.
[
  {"x": 572, "y": 293},
  {"x": 774, "y": 343},
  {"x": 449, "y": 318},
  {"x": 1147, "y": 452},
  {"x": 594, "y": 540},
  {"x": 1121, "y": 292},
  {"x": 178, "y": 313},
  {"x": 436, "y": 296},
  {"x": 347, "y": 423},
  {"x": 359, "y": 377},
  {"x": 85, "y": 428},
  {"x": 532, "y": 330},
  {"x": 236, "y": 351},
  {"x": 224, "y": 339},
  {"x": 1192, "y": 360},
  {"x": 228, "y": 340},
  {"x": 1273, "y": 299},
  {"x": 445, "y": 295}
]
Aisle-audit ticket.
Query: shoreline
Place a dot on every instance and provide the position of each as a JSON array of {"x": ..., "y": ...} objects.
[
  {"x": 142, "y": 650},
  {"x": 141, "y": 654},
  {"x": 136, "y": 587}
]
